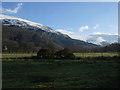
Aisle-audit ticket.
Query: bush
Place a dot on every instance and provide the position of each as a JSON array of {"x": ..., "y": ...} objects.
[
  {"x": 49, "y": 54},
  {"x": 44, "y": 53},
  {"x": 70, "y": 56},
  {"x": 65, "y": 54}
]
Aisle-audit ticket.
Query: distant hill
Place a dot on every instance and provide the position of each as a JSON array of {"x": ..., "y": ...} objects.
[{"x": 103, "y": 39}]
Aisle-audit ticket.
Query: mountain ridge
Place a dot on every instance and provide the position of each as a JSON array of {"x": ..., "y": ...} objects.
[{"x": 10, "y": 20}]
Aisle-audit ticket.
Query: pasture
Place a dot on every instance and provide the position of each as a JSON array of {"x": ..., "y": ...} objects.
[
  {"x": 95, "y": 54},
  {"x": 22, "y": 73},
  {"x": 17, "y": 55}
]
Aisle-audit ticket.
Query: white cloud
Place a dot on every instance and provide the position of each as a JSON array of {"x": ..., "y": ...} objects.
[
  {"x": 96, "y": 26},
  {"x": 100, "y": 33},
  {"x": 15, "y": 10},
  {"x": 83, "y": 28}
]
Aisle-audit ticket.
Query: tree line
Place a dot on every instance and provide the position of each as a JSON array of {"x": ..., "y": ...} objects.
[{"x": 114, "y": 47}]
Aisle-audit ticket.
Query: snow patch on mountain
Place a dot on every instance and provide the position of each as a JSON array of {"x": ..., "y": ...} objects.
[
  {"x": 10, "y": 20},
  {"x": 103, "y": 39},
  {"x": 97, "y": 40}
]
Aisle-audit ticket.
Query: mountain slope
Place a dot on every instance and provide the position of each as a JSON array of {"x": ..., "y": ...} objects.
[
  {"x": 98, "y": 39},
  {"x": 18, "y": 22},
  {"x": 24, "y": 31}
]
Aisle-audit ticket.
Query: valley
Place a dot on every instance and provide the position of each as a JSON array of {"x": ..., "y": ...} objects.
[{"x": 37, "y": 56}]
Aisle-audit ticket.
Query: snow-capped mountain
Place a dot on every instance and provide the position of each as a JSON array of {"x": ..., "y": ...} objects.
[
  {"x": 14, "y": 21},
  {"x": 102, "y": 39},
  {"x": 22, "y": 23},
  {"x": 41, "y": 33}
]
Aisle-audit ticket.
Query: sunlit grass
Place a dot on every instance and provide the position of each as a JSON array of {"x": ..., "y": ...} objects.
[
  {"x": 95, "y": 54},
  {"x": 16, "y": 55}
]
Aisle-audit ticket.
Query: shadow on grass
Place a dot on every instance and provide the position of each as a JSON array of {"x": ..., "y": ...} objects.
[
  {"x": 41, "y": 79},
  {"x": 113, "y": 83}
]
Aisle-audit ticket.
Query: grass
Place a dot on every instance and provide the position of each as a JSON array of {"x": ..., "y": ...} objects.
[
  {"x": 95, "y": 54},
  {"x": 16, "y": 55},
  {"x": 23, "y": 73}
]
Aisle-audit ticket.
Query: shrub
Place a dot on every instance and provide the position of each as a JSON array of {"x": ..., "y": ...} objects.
[
  {"x": 49, "y": 54},
  {"x": 65, "y": 54},
  {"x": 44, "y": 53}
]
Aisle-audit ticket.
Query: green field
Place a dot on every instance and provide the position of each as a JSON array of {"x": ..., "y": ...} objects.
[
  {"x": 95, "y": 54},
  {"x": 17, "y": 55},
  {"x": 23, "y": 73}
]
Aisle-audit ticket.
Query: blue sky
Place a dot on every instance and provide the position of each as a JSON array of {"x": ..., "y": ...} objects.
[{"x": 69, "y": 17}]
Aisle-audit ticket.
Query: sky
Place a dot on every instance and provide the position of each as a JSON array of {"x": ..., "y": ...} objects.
[{"x": 72, "y": 18}]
